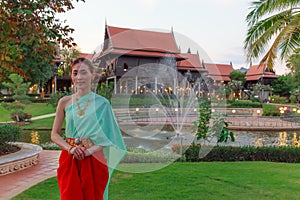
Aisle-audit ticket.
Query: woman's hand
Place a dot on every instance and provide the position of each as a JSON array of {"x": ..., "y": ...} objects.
[{"x": 78, "y": 152}]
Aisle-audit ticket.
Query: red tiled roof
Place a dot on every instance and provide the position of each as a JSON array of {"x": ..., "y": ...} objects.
[
  {"x": 192, "y": 62},
  {"x": 132, "y": 39},
  {"x": 86, "y": 55},
  {"x": 219, "y": 72},
  {"x": 255, "y": 72},
  {"x": 142, "y": 53}
]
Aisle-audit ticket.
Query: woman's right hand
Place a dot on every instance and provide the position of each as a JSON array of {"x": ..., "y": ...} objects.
[{"x": 78, "y": 152}]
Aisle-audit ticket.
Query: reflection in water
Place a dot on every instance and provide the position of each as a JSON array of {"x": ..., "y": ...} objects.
[
  {"x": 295, "y": 141},
  {"x": 284, "y": 138},
  {"x": 258, "y": 142},
  {"x": 163, "y": 138}
]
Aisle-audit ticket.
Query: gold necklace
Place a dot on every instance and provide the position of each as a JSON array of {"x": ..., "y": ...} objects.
[{"x": 82, "y": 111}]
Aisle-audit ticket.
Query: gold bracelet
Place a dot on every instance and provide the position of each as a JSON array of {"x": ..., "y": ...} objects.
[{"x": 69, "y": 149}]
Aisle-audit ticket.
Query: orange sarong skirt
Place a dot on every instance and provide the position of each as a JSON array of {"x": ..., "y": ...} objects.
[{"x": 82, "y": 179}]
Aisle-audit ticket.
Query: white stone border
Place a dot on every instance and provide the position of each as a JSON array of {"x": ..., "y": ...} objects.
[{"x": 27, "y": 157}]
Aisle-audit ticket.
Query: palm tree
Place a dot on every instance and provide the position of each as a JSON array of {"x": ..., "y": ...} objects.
[{"x": 275, "y": 23}]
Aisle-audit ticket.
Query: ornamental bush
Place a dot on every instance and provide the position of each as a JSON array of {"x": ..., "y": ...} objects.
[
  {"x": 8, "y": 133},
  {"x": 288, "y": 154}
]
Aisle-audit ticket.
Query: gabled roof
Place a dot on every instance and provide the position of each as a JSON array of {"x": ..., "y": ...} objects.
[
  {"x": 132, "y": 39},
  {"x": 86, "y": 55},
  {"x": 256, "y": 72},
  {"x": 219, "y": 72},
  {"x": 191, "y": 63}
]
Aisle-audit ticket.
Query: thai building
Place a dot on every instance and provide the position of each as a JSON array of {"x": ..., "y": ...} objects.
[
  {"x": 219, "y": 73},
  {"x": 259, "y": 74},
  {"x": 125, "y": 49}
]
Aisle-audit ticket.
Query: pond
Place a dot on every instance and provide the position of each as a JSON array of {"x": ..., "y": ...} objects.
[{"x": 161, "y": 139}]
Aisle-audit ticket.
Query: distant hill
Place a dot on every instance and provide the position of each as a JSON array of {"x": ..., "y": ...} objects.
[{"x": 243, "y": 69}]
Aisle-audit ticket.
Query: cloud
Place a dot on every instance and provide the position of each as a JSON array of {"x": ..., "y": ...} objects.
[{"x": 148, "y": 4}]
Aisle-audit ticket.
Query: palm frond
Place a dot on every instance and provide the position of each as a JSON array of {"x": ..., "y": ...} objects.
[
  {"x": 271, "y": 55},
  {"x": 264, "y": 7},
  {"x": 262, "y": 32},
  {"x": 291, "y": 39}
]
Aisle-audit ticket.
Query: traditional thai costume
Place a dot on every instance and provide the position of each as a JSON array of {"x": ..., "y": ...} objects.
[{"x": 88, "y": 179}]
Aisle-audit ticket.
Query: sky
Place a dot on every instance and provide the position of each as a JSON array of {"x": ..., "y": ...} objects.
[{"x": 214, "y": 28}]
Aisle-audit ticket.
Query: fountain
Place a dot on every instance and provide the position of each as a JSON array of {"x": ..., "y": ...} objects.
[{"x": 160, "y": 99}]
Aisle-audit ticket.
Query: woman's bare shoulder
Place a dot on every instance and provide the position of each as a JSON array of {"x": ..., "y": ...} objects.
[{"x": 65, "y": 101}]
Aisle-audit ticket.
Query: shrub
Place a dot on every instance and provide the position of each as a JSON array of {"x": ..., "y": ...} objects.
[
  {"x": 8, "y": 133},
  {"x": 270, "y": 110},
  {"x": 245, "y": 104},
  {"x": 278, "y": 99},
  {"x": 287, "y": 154},
  {"x": 144, "y": 156}
]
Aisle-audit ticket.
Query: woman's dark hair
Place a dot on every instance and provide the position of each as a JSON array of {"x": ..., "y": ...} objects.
[{"x": 84, "y": 61}]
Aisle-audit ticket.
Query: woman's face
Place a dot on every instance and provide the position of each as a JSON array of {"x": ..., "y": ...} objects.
[{"x": 82, "y": 76}]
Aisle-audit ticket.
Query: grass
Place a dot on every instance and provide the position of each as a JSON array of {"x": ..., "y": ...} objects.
[
  {"x": 194, "y": 181},
  {"x": 35, "y": 109},
  {"x": 45, "y": 123}
]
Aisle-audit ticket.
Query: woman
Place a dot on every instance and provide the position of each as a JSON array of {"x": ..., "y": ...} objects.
[{"x": 93, "y": 138}]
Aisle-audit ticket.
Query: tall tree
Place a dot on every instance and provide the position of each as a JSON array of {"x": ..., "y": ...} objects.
[
  {"x": 238, "y": 76},
  {"x": 294, "y": 64},
  {"x": 274, "y": 23},
  {"x": 29, "y": 36},
  {"x": 68, "y": 55}
]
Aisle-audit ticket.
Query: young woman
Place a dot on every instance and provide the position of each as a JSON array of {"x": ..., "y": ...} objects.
[{"x": 93, "y": 146}]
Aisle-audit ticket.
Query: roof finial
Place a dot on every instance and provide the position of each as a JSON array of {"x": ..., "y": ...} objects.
[{"x": 189, "y": 50}]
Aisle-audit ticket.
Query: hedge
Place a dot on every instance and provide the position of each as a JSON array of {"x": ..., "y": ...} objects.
[{"x": 288, "y": 154}]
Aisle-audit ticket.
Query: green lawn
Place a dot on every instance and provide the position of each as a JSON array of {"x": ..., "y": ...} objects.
[
  {"x": 194, "y": 181},
  {"x": 35, "y": 109}
]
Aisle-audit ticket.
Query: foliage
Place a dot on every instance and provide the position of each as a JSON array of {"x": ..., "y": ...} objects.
[
  {"x": 53, "y": 101},
  {"x": 259, "y": 89},
  {"x": 30, "y": 33},
  {"x": 244, "y": 104},
  {"x": 219, "y": 126},
  {"x": 278, "y": 99},
  {"x": 236, "y": 86},
  {"x": 106, "y": 90},
  {"x": 8, "y": 133},
  {"x": 19, "y": 89},
  {"x": 275, "y": 22},
  {"x": 68, "y": 54},
  {"x": 270, "y": 110},
  {"x": 294, "y": 64},
  {"x": 202, "y": 124},
  {"x": 282, "y": 85},
  {"x": 296, "y": 93},
  {"x": 287, "y": 154},
  {"x": 238, "y": 76},
  {"x": 144, "y": 156}
]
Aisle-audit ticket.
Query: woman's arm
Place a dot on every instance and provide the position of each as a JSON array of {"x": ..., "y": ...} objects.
[
  {"x": 93, "y": 149},
  {"x": 77, "y": 151},
  {"x": 57, "y": 125}
]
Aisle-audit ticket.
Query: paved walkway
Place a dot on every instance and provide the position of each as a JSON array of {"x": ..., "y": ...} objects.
[{"x": 15, "y": 183}]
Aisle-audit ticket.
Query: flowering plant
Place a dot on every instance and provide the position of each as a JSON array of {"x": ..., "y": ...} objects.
[{"x": 20, "y": 116}]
